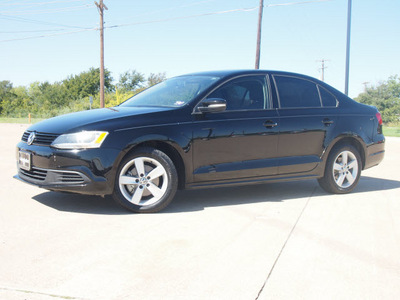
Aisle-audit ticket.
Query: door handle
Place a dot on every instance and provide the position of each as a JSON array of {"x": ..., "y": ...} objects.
[
  {"x": 327, "y": 122},
  {"x": 270, "y": 124}
]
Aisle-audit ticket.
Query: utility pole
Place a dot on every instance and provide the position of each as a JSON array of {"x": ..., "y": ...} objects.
[
  {"x": 260, "y": 13},
  {"x": 365, "y": 83},
  {"x": 101, "y": 8},
  {"x": 346, "y": 80},
  {"x": 323, "y": 68}
]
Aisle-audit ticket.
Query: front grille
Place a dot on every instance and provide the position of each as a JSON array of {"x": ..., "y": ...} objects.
[
  {"x": 54, "y": 177},
  {"x": 34, "y": 173},
  {"x": 41, "y": 138},
  {"x": 70, "y": 177}
]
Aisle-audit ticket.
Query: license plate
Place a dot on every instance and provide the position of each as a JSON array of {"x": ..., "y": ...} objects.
[{"x": 24, "y": 160}]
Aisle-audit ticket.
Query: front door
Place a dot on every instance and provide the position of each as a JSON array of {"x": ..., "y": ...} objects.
[{"x": 240, "y": 142}]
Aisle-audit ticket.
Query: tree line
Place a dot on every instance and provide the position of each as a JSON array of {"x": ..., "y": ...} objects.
[
  {"x": 44, "y": 99},
  {"x": 386, "y": 97}
]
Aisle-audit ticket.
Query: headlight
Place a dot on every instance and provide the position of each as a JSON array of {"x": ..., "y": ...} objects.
[{"x": 80, "y": 140}]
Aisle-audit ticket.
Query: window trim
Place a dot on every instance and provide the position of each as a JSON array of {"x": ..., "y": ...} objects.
[
  {"x": 322, "y": 103},
  {"x": 269, "y": 87},
  {"x": 265, "y": 86}
]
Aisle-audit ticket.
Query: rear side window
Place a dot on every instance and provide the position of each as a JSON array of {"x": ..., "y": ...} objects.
[
  {"x": 295, "y": 92},
  {"x": 328, "y": 100}
]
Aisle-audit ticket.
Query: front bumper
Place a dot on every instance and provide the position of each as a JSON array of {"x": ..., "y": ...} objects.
[{"x": 89, "y": 171}]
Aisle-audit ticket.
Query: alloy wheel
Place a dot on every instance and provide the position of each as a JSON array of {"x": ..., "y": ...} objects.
[
  {"x": 143, "y": 181},
  {"x": 345, "y": 169}
]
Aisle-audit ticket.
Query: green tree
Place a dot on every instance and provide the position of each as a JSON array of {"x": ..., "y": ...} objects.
[
  {"x": 44, "y": 99},
  {"x": 6, "y": 94},
  {"x": 19, "y": 105},
  {"x": 87, "y": 83},
  {"x": 130, "y": 81},
  {"x": 386, "y": 97},
  {"x": 155, "y": 78}
]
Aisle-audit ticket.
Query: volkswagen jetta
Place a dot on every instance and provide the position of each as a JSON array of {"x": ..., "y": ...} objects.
[{"x": 206, "y": 130}]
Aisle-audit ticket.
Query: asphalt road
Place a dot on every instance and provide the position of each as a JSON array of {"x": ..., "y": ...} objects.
[{"x": 273, "y": 241}]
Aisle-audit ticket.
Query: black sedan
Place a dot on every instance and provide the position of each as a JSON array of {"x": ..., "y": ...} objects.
[{"x": 206, "y": 130}]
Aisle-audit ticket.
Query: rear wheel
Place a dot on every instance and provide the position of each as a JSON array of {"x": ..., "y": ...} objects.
[
  {"x": 342, "y": 171},
  {"x": 146, "y": 181}
]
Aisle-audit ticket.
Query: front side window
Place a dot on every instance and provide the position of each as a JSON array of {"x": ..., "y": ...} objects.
[
  {"x": 244, "y": 93},
  {"x": 174, "y": 92},
  {"x": 296, "y": 92}
]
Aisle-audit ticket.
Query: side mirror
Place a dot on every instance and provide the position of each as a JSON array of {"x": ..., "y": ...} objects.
[{"x": 212, "y": 105}]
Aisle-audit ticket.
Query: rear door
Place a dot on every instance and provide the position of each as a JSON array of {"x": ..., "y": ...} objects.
[{"x": 307, "y": 117}]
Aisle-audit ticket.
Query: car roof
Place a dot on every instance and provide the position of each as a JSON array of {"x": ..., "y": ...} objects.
[
  {"x": 228, "y": 74},
  {"x": 234, "y": 73}
]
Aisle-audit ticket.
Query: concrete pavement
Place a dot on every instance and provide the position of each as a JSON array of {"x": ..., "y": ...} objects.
[{"x": 274, "y": 241}]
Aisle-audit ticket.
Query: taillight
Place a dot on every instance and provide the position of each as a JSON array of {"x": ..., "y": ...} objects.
[
  {"x": 380, "y": 122},
  {"x": 379, "y": 117}
]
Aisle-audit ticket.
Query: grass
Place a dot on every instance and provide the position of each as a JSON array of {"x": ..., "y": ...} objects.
[
  {"x": 387, "y": 130},
  {"x": 391, "y": 131},
  {"x": 20, "y": 120}
]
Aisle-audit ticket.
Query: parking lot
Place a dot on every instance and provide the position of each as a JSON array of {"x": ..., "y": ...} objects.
[{"x": 273, "y": 241}]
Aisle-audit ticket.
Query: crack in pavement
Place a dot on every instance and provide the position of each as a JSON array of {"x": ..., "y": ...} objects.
[
  {"x": 284, "y": 244},
  {"x": 39, "y": 293}
]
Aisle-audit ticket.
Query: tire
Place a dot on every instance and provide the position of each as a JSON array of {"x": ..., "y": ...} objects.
[
  {"x": 146, "y": 181},
  {"x": 342, "y": 170}
]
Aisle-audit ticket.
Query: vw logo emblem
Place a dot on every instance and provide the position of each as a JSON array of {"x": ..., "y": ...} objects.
[{"x": 31, "y": 138}]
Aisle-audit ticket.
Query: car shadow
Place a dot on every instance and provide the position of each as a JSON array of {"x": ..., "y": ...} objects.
[
  {"x": 77, "y": 203},
  {"x": 193, "y": 200},
  {"x": 196, "y": 200}
]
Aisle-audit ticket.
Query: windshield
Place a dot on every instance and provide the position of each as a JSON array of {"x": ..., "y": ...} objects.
[{"x": 174, "y": 92}]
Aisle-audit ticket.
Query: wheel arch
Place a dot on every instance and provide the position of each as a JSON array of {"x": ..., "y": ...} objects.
[
  {"x": 170, "y": 151},
  {"x": 352, "y": 140}
]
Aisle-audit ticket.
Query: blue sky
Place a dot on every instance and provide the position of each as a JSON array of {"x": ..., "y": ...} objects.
[{"x": 183, "y": 36}]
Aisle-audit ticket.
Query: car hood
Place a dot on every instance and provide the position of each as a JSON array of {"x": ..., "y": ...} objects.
[{"x": 93, "y": 119}]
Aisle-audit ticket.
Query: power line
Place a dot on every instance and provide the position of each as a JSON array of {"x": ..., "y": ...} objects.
[
  {"x": 25, "y": 20},
  {"x": 296, "y": 3},
  {"x": 184, "y": 17},
  {"x": 171, "y": 8},
  {"x": 28, "y": 31},
  {"x": 114, "y": 26},
  {"x": 48, "y": 11},
  {"x": 39, "y": 3},
  {"x": 46, "y": 35},
  {"x": 13, "y": 1},
  {"x": 83, "y": 29},
  {"x": 214, "y": 13}
]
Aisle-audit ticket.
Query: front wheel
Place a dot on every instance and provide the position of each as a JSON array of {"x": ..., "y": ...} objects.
[
  {"x": 146, "y": 181},
  {"x": 342, "y": 171}
]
